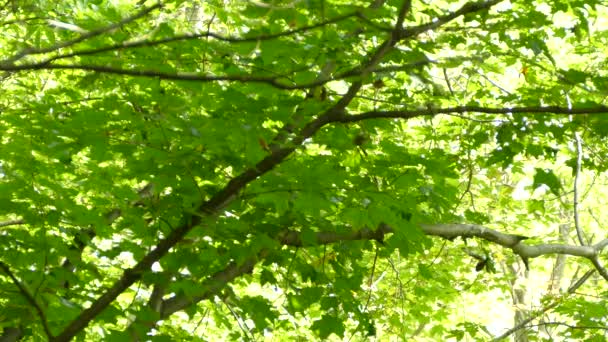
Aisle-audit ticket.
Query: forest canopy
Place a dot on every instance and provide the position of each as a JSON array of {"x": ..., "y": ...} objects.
[{"x": 295, "y": 170}]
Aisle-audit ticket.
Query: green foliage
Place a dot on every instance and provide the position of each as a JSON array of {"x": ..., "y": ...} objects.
[{"x": 284, "y": 170}]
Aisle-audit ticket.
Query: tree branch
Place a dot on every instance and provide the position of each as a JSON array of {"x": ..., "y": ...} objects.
[
  {"x": 193, "y": 36},
  {"x": 208, "y": 208},
  {"x": 598, "y": 266},
  {"x": 12, "y": 223},
  {"x": 511, "y": 241},
  {"x": 28, "y": 296},
  {"x": 570, "y": 326},
  {"x": 212, "y": 285},
  {"x": 10, "y": 334},
  {"x": 577, "y": 174},
  {"x": 537, "y": 314},
  {"x": 467, "y": 8},
  {"x": 405, "y": 9},
  {"x": 291, "y": 238},
  {"x": 223, "y": 197},
  {"x": 397, "y": 35},
  {"x": 287, "y": 238},
  {"x": 82, "y": 37},
  {"x": 412, "y": 113}
]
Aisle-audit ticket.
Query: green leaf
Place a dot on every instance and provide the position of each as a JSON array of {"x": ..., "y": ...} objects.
[
  {"x": 119, "y": 336},
  {"x": 328, "y": 325},
  {"x": 575, "y": 76},
  {"x": 260, "y": 310},
  {"x": 476, "y": 217},
  {"x": 548, "y": 178}
]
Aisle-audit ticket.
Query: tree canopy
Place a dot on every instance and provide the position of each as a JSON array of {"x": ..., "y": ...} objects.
[{"x": 303, "y": 170}]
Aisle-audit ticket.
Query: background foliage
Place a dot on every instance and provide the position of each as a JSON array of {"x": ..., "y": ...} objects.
[{"x": 303, "y": 170}]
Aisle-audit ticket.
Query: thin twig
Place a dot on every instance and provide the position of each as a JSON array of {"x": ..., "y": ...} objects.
[
  {"x": 542, "y": 311},
  {"x": 569, "y": 326},
  {"x": 407, "y": 114},
  {"x": 28, "y": 296},
  {"x": 369, "y": 292},
  {"x": 82, "y": 37},
  {"x": 494, "y": 83},
  {"x": 447, "y": 81},
  {"x": 196, "y": 36},
  {"x": 579, "y": 160},
  {"x": 245, "y": 329}
]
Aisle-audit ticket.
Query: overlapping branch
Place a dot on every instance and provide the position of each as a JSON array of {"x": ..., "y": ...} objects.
[
  {"x": 212, "y": 285},
  {"x": 333, "y": 115},
  {"x": 336, "y": 113},
  {"x": 397, "y": 34}
]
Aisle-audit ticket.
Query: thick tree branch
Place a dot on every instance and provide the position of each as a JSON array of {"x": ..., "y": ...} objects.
[
  {"x": 212, "y": 285},
  {"x": 405, "y": 9},
  {"x": 288, "y": 238},
  {"x": 514, "y": 242},
  {"x": 216, "y": 282},
  {"x": 209, "y": 208}
]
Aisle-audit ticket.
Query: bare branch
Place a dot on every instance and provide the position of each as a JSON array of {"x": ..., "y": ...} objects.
[
  {"x": 511, "y": 241},
  {"x": 29, "y": 297},
  {"x": 601, "y": 245}
]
